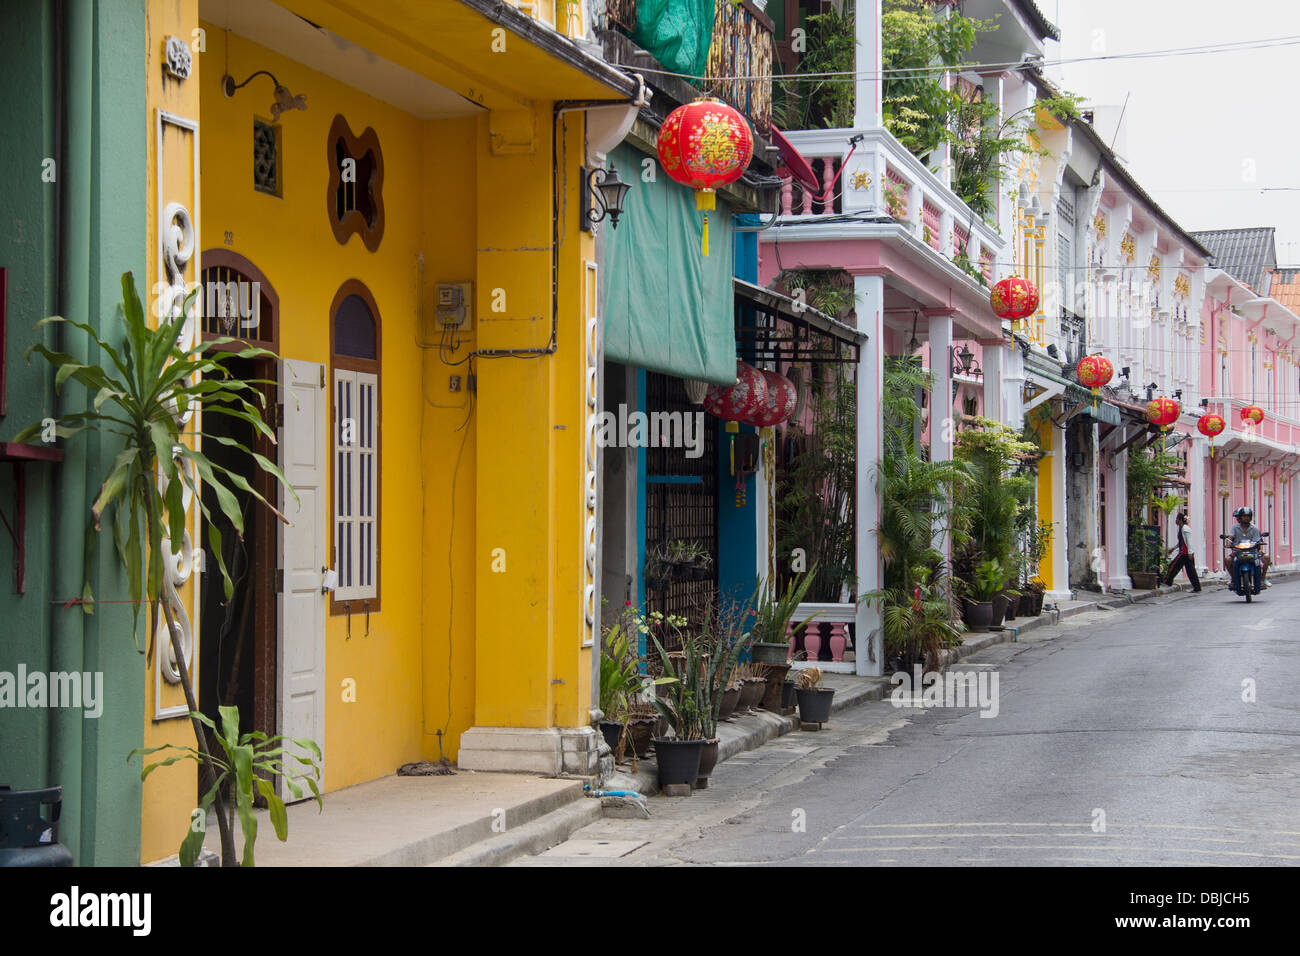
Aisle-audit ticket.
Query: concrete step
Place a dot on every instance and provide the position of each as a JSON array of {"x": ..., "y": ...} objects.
[{"x": 530, "y": 838}]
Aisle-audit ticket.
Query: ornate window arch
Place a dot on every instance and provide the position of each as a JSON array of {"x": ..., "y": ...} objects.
[{"x": 355, "y": 350}]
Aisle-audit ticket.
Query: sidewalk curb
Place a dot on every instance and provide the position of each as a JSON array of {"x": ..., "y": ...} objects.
[{"x": 530, "y": 838}]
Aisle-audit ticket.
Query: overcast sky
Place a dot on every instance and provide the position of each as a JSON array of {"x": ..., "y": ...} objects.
[{"x": 1198, "y": 127}]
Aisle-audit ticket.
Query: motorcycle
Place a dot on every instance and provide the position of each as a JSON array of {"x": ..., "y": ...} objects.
[{"x": 1246, "y": 559}]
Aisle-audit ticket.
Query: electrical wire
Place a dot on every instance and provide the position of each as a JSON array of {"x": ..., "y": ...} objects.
[{"x": 850, "y": 76}]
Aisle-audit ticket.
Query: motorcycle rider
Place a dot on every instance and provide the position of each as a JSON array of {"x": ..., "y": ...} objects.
[{"x": 1242, "y": 531}]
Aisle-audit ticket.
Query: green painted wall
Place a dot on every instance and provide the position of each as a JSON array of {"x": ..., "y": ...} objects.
[{"x": 101, "y": 810}]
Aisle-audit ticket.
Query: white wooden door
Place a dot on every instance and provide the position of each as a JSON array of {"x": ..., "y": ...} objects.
[{"x": 304, "y": 440}]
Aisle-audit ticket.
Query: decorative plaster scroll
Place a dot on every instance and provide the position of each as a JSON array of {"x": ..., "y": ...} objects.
[
  {"x": 591, "y": 528},
  {"x": 176, "y": 57},
  {"x": 176, "y": 256}
]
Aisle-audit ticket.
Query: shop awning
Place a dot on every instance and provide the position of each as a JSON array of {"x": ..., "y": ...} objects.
[
  {"x": 1078, "y": 400},
  {"x": 772, "y": 327},
  {"x": 668, "y": 308}
]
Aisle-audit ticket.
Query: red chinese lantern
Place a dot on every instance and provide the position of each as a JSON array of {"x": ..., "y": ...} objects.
[
  {"x": 737, "y": 403},
  {"x": 1252, "y": 415},
  {"x": 705, "y": 144},
  {"x": 1014, "y": 298},
  {"x": 1163, "y": 412},
  {"x": 1095, "y": 371},
  {"x": 778, "y": 403},
  {"x": 1209, "y": 426}
]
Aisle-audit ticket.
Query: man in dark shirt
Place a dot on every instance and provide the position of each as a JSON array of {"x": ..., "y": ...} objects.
[{"x": 1242, "y": 531}]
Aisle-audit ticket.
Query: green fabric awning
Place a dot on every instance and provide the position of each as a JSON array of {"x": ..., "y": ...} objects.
[{"x": 668, "y": 308}]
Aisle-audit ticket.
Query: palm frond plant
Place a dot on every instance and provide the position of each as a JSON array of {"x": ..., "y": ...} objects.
[
  {"x": 917, "y": 498},
  {"x": 143, "y": 397},
  {"x": 248, "y": 761}
]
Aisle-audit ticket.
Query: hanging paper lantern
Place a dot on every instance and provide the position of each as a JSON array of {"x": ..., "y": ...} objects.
[
  {"x": 1095, "y": 371},
  {"x": 1211, "y": 425},
  {"x": 779, "y": 402},
  {"x": 1163, "y": 412},
  {"x": 736, "y": 403},
  {"x": 704, "y": 145},
  {"x": 1252, "y": 414},
  {"x": 1014, "y": 298}
]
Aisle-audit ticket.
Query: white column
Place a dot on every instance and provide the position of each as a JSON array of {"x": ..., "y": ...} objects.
[
  {"x": 991, "y": 363},
  {"x": 1059, "y": 555},
  {"x": 1198, "y": 514},
  {"x": 1117, "y": 521},
  {"x": 867, "y": 64},
  {"x": 943, "y": 424},
  {"x": 870, "y": 292}
]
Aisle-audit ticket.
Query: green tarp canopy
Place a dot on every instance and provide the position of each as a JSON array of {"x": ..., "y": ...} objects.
[
  {"x": 668, "y": 307},
  {"x": 676, "y": 32}
]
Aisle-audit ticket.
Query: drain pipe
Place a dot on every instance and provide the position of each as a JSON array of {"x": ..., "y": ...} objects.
[{"x": 67, "y": 648}]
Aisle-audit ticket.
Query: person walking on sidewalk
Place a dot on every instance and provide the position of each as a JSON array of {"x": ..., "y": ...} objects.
[{"x": 1185, "y": 557}]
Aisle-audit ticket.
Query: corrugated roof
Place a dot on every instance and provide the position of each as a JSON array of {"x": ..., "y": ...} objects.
[
  {"x": 1285, "y": 287},
  {"x": 1046, "y": 29},
  {"x": 1245, "y": 254}
]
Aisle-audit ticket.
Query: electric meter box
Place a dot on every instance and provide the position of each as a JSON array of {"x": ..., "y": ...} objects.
[{"x": 453, "y": 302}]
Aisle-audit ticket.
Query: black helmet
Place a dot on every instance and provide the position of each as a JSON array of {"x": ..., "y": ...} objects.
[{"x": 1243, "y": 512}]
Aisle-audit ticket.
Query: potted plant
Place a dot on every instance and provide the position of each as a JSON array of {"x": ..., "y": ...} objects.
[
  {"x": 620, "y": 678},
  {"x": 686, "y": 695},
  {"x": 725, "y": 644},
  {"x": 814, "y": 700},
  {"x": 772, "y": 616},
  {"x": 657, "y": 568},
  {"x": 1144, "y": 556},
  {"x": 981, "y": 611}
]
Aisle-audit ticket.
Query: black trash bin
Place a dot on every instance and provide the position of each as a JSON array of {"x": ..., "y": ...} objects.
[{"x": 27, "y": 837}]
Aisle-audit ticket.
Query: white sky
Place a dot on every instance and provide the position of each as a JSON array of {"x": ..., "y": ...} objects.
[{"x": 1197, "y": 126}]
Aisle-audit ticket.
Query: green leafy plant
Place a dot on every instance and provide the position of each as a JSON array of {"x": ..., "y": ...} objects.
[
  {"x": 248, "y": 761},
  {"x": 917, "y": 103},
  {"x": 141, "y": 398},
  {"x": 1002, "y": 464},
  {"x": 824, "y": 100},
  {"x": 917, "y": 495},
  {"x": 701, "y": 670},
  {"x": 990, "y": 579},
  {"x": 773, "y": 609}
]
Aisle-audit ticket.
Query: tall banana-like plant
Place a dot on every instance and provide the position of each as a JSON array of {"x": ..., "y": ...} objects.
[{"x": 144, "y": 396}]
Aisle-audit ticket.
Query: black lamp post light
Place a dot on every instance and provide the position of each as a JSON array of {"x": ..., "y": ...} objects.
[
  {"x": 964, "y": 361},
  {"x": 602, "y": 195}
]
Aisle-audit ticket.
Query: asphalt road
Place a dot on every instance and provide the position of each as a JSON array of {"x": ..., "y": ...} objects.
[{"x": 1164, "y": 733}]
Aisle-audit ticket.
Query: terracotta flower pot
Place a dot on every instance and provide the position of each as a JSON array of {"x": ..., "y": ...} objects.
[
  {"x": 730, "y": 698},
  {"x": 641, "y": 731},
  {"x": 708, "y": 760}
]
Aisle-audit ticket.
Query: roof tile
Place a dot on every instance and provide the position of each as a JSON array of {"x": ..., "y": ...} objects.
[{"x": 1245, "y": 254}]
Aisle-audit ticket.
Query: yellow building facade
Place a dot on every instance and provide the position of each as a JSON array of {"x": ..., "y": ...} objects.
[{"x": 434, "y": 594}]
